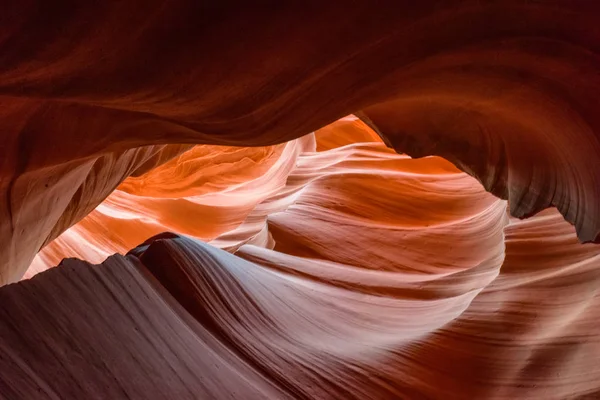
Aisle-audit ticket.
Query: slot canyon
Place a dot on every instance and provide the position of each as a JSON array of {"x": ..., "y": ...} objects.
[{"x": 300, "y": 200}]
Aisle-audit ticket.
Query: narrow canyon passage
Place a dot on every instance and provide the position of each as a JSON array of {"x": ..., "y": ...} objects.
[
  {"x": 349, "y": 271},
  {"x": 307, "y": 200}
]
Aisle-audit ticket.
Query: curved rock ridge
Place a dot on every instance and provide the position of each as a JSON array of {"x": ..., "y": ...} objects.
[
  {"x": 116, "y": 333},
  {"x": 178, "y": 318},
  {"x": 41, "y": 204},
  {"x": 357, "y": 273},
  {"x": 204, "y": 192},
  {"x": 309, "y": 258},
  {"x": 364, "y": 184},
  {"x": 347, "y": 130},
  {"x": 506, "y": 90}
]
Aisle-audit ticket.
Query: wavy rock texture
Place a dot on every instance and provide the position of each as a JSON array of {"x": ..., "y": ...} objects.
[
  {"x": 204, "y": 192},
  {"x": 505, "y": 90},
  {"x": 350, "y": 271},
  {"x": 360, "y": 273},
  {"x": 200, "y": 322}
]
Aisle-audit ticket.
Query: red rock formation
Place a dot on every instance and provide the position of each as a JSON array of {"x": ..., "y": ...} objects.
[
  {"x": 198, "y": 322},
  {"x": 204, "y": 192},
  {"x": 397, "y": 268},
  {"x": 357, "y": 272}
]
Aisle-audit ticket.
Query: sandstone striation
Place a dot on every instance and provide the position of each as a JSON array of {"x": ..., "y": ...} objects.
[{"x": 305, "y": 201}]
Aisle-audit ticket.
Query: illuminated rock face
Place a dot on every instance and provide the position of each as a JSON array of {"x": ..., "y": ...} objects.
[
  {"x": 205, "y": 192},
  {"x": 357, "y": 273},
  {"x": 301, "y": 265},
  {"x": 236, "y": 196}
]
